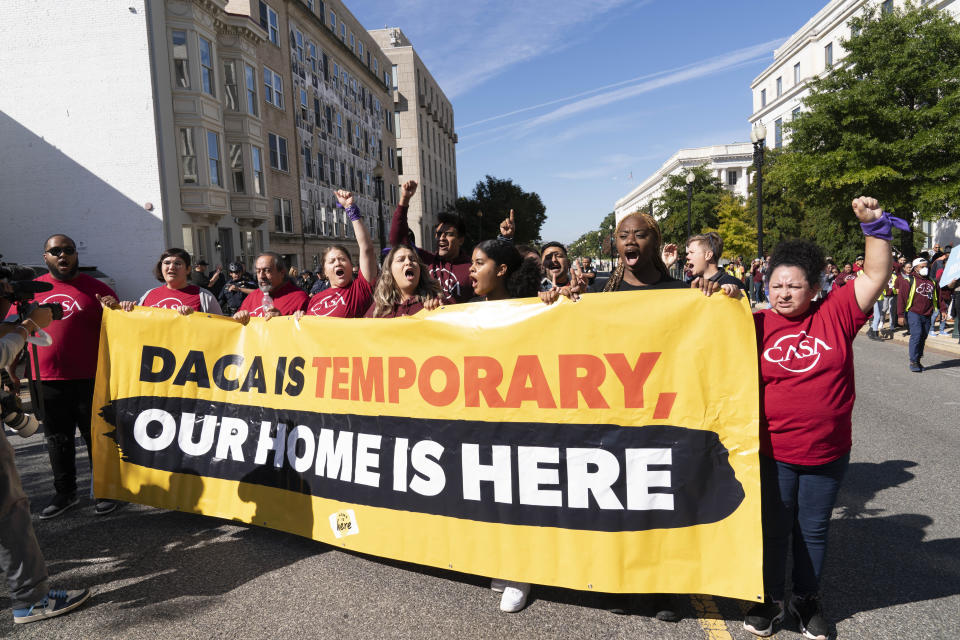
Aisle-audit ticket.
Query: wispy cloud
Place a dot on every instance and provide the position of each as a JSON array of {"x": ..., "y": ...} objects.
[
  {"x": 616, "y": 166},
  {"x": 493, "y": 35}
]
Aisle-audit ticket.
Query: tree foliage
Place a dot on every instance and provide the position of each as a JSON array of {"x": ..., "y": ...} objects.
[
  {"x": 736, "y": 226},
  {"x": 885, "y": 122},
  {"x": 494, "y": 197},
  {"x": 596, "y": 242},
  {"x": 671, "y": 207}
]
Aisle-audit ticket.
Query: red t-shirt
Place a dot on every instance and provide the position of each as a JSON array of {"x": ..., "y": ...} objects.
[
  {"x": 844, "y": 278},
  {"x": 76, "y": 338},
  {"x": 806, "y": 380},
  {"x": 406, "y": 308},
  {"x": 165, "y": 298},
  {"x": 288, "y": 299},
  {"x": 343, "y": 302}
]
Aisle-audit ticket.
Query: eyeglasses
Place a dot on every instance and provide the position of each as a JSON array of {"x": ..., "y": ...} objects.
[{"x": 56, "y": 252}]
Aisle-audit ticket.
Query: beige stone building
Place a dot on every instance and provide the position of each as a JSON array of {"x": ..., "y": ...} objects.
[{"x": 426, "y": 139}]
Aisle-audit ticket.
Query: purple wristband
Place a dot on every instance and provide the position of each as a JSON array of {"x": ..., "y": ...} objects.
[
  {"x": 882, "y": 227},
  {"x": 353, "y": 213}
]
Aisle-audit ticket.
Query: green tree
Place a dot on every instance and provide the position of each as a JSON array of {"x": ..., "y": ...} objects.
[
  {"x": 494, "y": 197},
  {"x": 885, "y": 122},
  {"x": 783, "y": 213},
  {"x": 671, "y": 207},
  {"x": 596, "y": 242},
  {"x": 737, "y": 227}
]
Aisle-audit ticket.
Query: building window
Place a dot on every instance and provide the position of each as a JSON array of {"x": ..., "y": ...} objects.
[
  {"x": 282, "y": 218},
  {"x": 298, "y": 42},
  {"x": 333, "y": 21},
  {"x": 329, "y": 119},
  {"x": 343, "y": 175},
  {"x": 778, "y": 133},
  {"x": 376, "y": 71},
  {"x": 343, "y": 32},
  {"x": 236, "y": 168},
  {"x": 321, "y": 168},
  {"x": 360, "y": 49},
  {"x": 399, "y": 162},
  {"x": 231, "y": 96},
  {"x": 339, "y": 126},
  {"x": 278, "y": 152},
  {"x": 257, "y": 171},
  {"x": 188, "y": 156},
  {"x": 181, "y": 61},
  {"x": 828, "y": 55},
  {"x": 272, "y": 87},
  {"x": 353, "y": 43},
  {"x": 795, "y": 113},
  {"x": 251, "y": 89},
  {"x": 312, "y": 52},
  {"x": 307, "y": 161},
  {"x": 796, "y": 73},
  {"x": 213, "y": 153},
  {"x": 206, "y": 67},
  {"x": 394, "y": 76},
  {"x": 779, "y": 87},
  {"x": 270, "y": 23},
  {"x": 732, "y": 177},
  {"x": 886, "y": 6}
]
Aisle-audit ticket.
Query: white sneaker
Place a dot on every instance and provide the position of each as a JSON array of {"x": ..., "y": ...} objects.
[
  {"x": 498, "y": 585},
  {"x": 514, "y": 596}
]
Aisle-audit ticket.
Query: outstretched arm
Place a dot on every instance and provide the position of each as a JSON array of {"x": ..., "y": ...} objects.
[
  {"x": 877, "y": 260},
  {"x": 398, "y": 226},
  {"x": 368, "y": 255}
]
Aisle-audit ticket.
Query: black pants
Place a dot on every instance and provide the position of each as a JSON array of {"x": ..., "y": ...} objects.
[{"x": 67, "y": 404}]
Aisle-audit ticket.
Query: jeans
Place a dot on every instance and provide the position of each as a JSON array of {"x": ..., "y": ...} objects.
[
  {"x": 797, "y": 500},
  {"x": 67, "y": 404},
  {"x": 919, "y": 327},
  {"x": 933, "y": 320},
  {"x": 880, "y": 309},
  {"x": 757, "y": 291},
  {"x": 20, "y": 555}
]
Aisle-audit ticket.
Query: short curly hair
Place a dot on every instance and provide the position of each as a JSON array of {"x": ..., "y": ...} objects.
[{"x": 802, "y": 254}]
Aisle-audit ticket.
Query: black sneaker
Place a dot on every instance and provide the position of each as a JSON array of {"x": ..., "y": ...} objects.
[
  {"x": 60, "y": 503},
  {"x": 104, "y": 506},
  {"x": 762, "y": 616},
  {"x": 660, "y": 606},
  {"x": 807, "y": 611}
]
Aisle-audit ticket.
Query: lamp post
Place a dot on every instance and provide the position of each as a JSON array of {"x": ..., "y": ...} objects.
[
  {"x": 758, "y": 136},
  {"x": 378, "y": 185},
  {"x": 690, "y": 178}
]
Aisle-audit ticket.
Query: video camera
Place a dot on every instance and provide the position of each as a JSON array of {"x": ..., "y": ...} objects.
[
  {"x": 13, "y": 415},
  {"x": 23, "y": 288}
]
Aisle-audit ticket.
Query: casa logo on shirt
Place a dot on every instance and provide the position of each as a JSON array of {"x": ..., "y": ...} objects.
[
  {"x": 69, "y": 304},
  {"x": 797, "y": 352},
  {"x": 327, "y": 305},
  {"x": 448, "y": 282},
  {"x": 168, "y": 303},
  {"x": 925, "y": 289}
]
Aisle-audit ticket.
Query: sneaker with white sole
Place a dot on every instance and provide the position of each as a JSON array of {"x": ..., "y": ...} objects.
[
  {"x": 514, "y": 596},
  {"x": 498, "y": 585},
  {"x": 808, "y": 614},
  {"x": 57, "y": 602},
  {"x": 60, "y": 503},
  {"x": 762, "y": 617}
]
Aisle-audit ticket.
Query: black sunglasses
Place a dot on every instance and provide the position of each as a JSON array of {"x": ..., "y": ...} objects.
[{"x": 57, "y": 251}]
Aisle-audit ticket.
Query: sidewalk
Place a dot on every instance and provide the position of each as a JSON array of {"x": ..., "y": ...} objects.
[{"x": 946, "y": 345}]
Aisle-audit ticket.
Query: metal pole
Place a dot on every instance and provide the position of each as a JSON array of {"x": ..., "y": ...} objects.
[
  {"x": 379, "y": 184},
  {"x": 689, "y": 208},
  {"x": 758, "y": 150}
]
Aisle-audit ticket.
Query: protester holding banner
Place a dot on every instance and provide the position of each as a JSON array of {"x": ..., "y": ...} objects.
[
  {"x": 450, "y": 265},
  {"x": 347, "y": 297},
  {"x": 405, "y": 287},
  {"x": 277, "y": 295},
  {"x": 177, "y": 292},
  {"x": 807, "y": 396}
]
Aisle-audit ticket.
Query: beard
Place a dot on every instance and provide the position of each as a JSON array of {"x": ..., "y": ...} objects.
[{"x": 70, "y": 275}]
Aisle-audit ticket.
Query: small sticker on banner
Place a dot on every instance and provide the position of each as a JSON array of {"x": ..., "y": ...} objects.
[{"x": 344, "y": 523}]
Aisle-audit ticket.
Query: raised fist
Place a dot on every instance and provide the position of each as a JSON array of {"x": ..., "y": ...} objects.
[
  {"x": 866, "y": 209},
  {"x": 345, "y": 198}
]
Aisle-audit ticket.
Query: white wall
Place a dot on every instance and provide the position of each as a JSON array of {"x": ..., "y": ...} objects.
[{"x": 78, "y": 136}]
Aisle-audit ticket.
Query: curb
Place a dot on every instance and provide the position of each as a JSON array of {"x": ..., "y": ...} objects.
[{"x": 944, "y": 345}]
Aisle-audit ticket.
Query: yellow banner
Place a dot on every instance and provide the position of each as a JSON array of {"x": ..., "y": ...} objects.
[{"x": 608, "y": 444}]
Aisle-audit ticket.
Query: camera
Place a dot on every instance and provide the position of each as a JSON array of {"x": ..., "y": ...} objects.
[
  {"x": 13, "y": 415},
  {"x": 23, "y": 288}
]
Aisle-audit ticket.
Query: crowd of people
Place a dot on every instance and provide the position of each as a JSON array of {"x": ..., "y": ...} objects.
[{"x": 803, "y": 454}]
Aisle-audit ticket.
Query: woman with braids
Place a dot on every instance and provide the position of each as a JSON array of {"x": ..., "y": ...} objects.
[
  {"x": 807, "y": 394},
  {"x": 347, "y": 296},
  {"x": 405, "y": 287},
  {"x": 641, "y": 264}
]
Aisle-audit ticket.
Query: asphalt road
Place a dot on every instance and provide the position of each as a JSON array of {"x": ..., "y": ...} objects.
[{"x": 893, "y": 566}]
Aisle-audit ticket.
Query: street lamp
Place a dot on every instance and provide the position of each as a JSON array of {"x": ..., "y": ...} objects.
[
  {"x": 690, "y": 179},
  {"x": 378, "y": 185},
  {"x": 758, "y": 136}
]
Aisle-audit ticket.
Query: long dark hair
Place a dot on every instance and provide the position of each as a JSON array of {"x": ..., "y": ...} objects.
[
  {"x": 613, "y": 284},
  {"x": 523, "y": 276}
]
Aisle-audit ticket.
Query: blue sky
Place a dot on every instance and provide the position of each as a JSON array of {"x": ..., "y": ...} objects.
[{"x": 569, "y": 98}]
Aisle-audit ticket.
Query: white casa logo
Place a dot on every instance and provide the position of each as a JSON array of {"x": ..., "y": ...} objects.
[
  {"x": 925, "y": 289},
  {"x": 327, "y": 305},
  {"x": 69, "y": 304},
  {"x": 448, "y": 282},
  {"x": 796, "y": 352}
]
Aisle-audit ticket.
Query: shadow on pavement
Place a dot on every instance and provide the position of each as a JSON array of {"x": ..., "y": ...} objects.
[
  {"x": 900, "y": 567},
  {"x": 946, "y": 364}
]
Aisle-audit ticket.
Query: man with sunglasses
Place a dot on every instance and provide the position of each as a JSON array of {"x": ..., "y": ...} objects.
[
  {"x": 450, "y": 266},
  {"x": 68, "y": 368}
]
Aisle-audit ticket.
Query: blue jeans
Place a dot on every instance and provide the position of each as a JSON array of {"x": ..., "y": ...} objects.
[
  {"x": 797, "y": 499},
  {"x": 880, "y": 309},
  {"x": 919, "y": 327},
  {"x": 933, "y": 320}
]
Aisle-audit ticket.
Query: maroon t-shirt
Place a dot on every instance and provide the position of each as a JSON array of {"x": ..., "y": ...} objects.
[
  {"x": 76, "y": 338},
  {"x": 923, "y": 296},
  {"x": 165, "y": 298},
  {"x": 844, "y": 278},
  {"x": 453, "y": 276},
  {"x": 406, "y": 308},
  {"x": 806, "y": 379},
  {"x": 343, "y": 302},
  {"x": 288, "y": 299}
]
